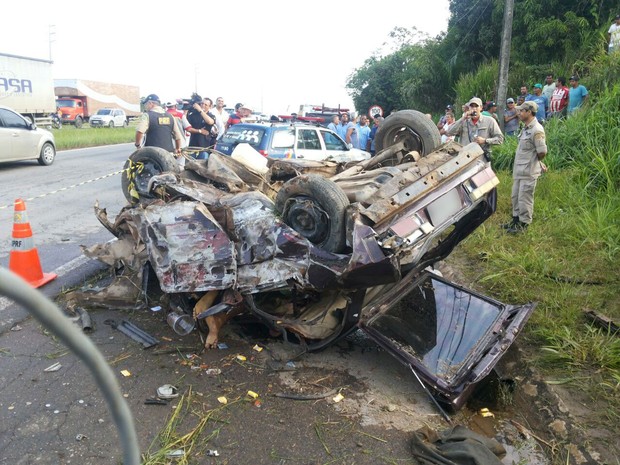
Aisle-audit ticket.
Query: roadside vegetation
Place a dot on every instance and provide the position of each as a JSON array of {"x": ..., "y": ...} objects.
[{"x": 71, "y": 138}]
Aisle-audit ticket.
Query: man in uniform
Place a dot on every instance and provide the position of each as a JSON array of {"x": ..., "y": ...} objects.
[
  {"x": 473, "y": 126},
  {"x": 157, "y": 127},
  {"x": 528, "y": 167}
]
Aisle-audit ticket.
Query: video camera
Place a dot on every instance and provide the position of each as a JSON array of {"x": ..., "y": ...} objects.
[{"x": 189, "y": 103}]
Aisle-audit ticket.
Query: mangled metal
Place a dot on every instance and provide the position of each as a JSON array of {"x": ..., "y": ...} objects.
[{"x": 230, "y": 240}]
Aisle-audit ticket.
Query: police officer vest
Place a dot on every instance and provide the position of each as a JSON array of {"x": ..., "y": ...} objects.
[{"x": 160, "y": 131}]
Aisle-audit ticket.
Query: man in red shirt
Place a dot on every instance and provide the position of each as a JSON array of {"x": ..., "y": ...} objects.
[{"x": 559, "y": 99}]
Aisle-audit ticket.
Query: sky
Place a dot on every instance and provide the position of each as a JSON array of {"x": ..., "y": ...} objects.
[{"x": 271, "y": 55}]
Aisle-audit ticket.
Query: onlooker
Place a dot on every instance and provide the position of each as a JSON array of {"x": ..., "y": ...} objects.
[
  {"x": 527, "y": 168},
  {"x": 559, "y": 99},
  {"x": 156, "y": 128},
  {"x": 221, "y": 117},
  {"x": 577, "y": 95},
  {"x": 334, "y": 123},
  {"x": 362, "y": 130},
  {"x": 442, "y": 120},
  {"x": 524, "y": 93},
  {"x": 236, "y": 117},
  {"x": 520, "y": 100},
  {"x": 511, "y": 118},
  {"x": 613, "y": 36},
  {"x": 201, "y": 122},
  {"x": 171, "y": 107},
  {"x": 549, "y": 87},
  {"x": 491, "y": 110},
  {"x": 446, "y": 127},
  {"x": 343, "y": 127},
  {"x": 378, "y": 119},
  {"x": 475, "y": 127},
  {"x": 541, "y": 102}
]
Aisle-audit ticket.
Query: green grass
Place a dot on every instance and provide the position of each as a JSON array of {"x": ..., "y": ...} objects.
[{"x": 71, "y": 138}]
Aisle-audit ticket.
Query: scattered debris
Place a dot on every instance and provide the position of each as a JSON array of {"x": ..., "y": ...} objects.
[
  {"x": 241, "y": 358},
  {"x": 257, "y": 348},
  {"x": 126, "y": 373},
  {"x": 55, "y": 367},
  {"x": 181, "y": 323},
  {"x": 175, "y": 454},
  {"x": 156, "y": 309},
  {"x": 222, "y": 346},
  {"x": 213, "y": 371},
  {"x": 486, "y": 413},
  {"x": 16, "y": 328},
  {"x": 132, "y": 331},
  {"x": 87, "y": 325},
  {"x": 167, "y": 391},
  {"x": 212, "y": 453},
  {"x": 222, "y": 400},
  {"x": 252, "y": 394},
  {"x": 338, "y": 398},
  {"x": 79, "y": 437},
  {"x": 295, "y": 396},
  {"x": 602, "y": 321},
  {"x": 155, "y": 401}
]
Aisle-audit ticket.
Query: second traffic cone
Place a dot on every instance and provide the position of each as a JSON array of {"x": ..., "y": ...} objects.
[{"x": 24, "y": 258}]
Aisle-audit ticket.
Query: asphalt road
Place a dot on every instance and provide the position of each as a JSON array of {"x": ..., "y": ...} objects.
[{"x": 59, "y": 201}]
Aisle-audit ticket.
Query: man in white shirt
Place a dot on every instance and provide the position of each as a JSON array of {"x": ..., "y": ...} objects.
[
  {"x": 613, "y": 35},
  {"x": 221, "y": 116}
]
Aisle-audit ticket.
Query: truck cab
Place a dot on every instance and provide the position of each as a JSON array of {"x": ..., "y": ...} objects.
[{"x": 72, "y": 110}]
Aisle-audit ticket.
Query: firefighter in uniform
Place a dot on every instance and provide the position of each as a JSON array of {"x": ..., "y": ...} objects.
[
  {"x": 158, "y": 127},
  {"x": 528, "y": 167}
]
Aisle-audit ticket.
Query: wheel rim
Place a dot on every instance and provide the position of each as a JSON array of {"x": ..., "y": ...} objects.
[
  {"x": 48, "y": 154},
  {"x": 410, "y": 138},
  {"x": 307, "y": 217},
  {"x": 143, "y": 176}
]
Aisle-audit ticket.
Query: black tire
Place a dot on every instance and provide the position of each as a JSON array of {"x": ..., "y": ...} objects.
[
  {"x": 125, "y": 123},
  {"x": 140, "y": 167},
  {"x": 111, "y": 124},
  {"x": 315, "y": 207},
  {"x": 47, "y": 155},
  {"x": 78, "y": 122},
  {"x": 415, "y": 129}
]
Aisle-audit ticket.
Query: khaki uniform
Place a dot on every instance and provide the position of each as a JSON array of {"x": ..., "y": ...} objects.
[
  {"x": 467, "y": 131},
  {"x": 527, "y": 168}
]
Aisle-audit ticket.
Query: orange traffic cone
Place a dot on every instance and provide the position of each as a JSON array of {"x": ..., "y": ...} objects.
[{"x": 24, "y": 258}]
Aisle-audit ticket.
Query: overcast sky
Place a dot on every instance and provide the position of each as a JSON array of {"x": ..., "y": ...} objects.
[{"x": 273, "y": 55}]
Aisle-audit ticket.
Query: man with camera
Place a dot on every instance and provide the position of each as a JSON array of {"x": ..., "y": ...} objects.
[
  {"x": 200, "y": 121},
  {"x": 156, "y": 128},
  {"x": 476, "y": 127}
]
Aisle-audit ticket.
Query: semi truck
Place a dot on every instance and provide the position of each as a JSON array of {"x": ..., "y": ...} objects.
[
  {"x": 79, "y": 99},
  {"x": 27, "y": 86}
]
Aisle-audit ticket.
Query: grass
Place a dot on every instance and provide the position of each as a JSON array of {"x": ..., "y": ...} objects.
[{"x": 71, "y": 138}]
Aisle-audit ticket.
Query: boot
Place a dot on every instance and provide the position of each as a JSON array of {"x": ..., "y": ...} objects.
[
  {"x": 515, "y": 220},
  {"x": 517, "y": 228}
]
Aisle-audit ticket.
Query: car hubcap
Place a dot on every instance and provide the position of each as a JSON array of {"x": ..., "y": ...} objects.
[{"x": 308, "y": 219}]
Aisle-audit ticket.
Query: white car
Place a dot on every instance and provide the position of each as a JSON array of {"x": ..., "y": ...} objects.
[
  {"x": 22, "y": 140},
  {"x": 109, "y": 118}
]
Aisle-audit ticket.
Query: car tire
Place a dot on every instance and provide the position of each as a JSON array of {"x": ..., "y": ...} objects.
[
  {"x": 415, "y": 129},
  {"x": 111, "y": 125},
  {"x": 78, "y": 122},
  {"x": 47, "y": 155},
  {"x": 125, "y": 123},
  {"x": 140, "y": 167},
  {"x": 315, "y": 207}
]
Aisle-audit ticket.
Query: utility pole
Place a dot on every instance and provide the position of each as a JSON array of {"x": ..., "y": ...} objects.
[
  {"x": 51, "y": 33},
  {"x": 504, "y": 61}
]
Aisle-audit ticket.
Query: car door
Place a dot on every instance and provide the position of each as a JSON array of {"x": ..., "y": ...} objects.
[
  {"x": 450, "y": 336},
  {"x": 336, "y": 149},
  {"x": 308, "y": 144},
  {"x": 119, "y": 118},
  {"x": 17, "y": 140}
]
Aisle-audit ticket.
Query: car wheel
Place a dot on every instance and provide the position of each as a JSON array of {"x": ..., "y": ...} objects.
[
  {"x": 78, "y": 122},
  {"x": 111, "y": 124},
  {"x": 124, "y": 123},
  {"x": 415, "y": 129},
  {"x": 47, "y": 155},
  {"x": 140, "y": 167},
  {"x": 315, "y": 207}
]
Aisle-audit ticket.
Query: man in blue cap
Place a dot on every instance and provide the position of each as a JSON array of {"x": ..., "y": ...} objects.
[
  {"x": 157, "y": 128},
  {"x": 541, "y": 101}
]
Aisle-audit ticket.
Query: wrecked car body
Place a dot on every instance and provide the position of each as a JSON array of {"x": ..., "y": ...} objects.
[{"x": 316, "y": 250}]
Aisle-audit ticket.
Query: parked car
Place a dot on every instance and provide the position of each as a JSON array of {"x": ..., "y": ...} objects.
[
  {"x": 316, "y": 250},
  {"x": 109, "y": 118},
  {"x": 291, "y": 141},
  {"x": 21, "y": 139}
]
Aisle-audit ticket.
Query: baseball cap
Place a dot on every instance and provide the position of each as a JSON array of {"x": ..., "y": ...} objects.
[
  {"x": 510, "y": 100},
  {"x": 475, "y": 100},
  {"x": 574, "y": 78},
  {"x": 170, "y": 104},
  {"x": 539, "y": 86},
  {"x": 151, "y": 97},
  {"x": 448, "y": 107},
  {"x": 529, "y": 105},
  {"x": 617, "y": 17},
  {"x": 492, "y": 104},
  {"x": 238, "y": 105}
]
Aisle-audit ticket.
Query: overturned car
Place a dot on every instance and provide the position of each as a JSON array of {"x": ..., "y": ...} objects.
[{"x": 316, "y": 250}]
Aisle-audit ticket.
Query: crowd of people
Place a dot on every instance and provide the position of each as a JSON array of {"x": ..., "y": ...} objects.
[{"x": 195, "y": 123}]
